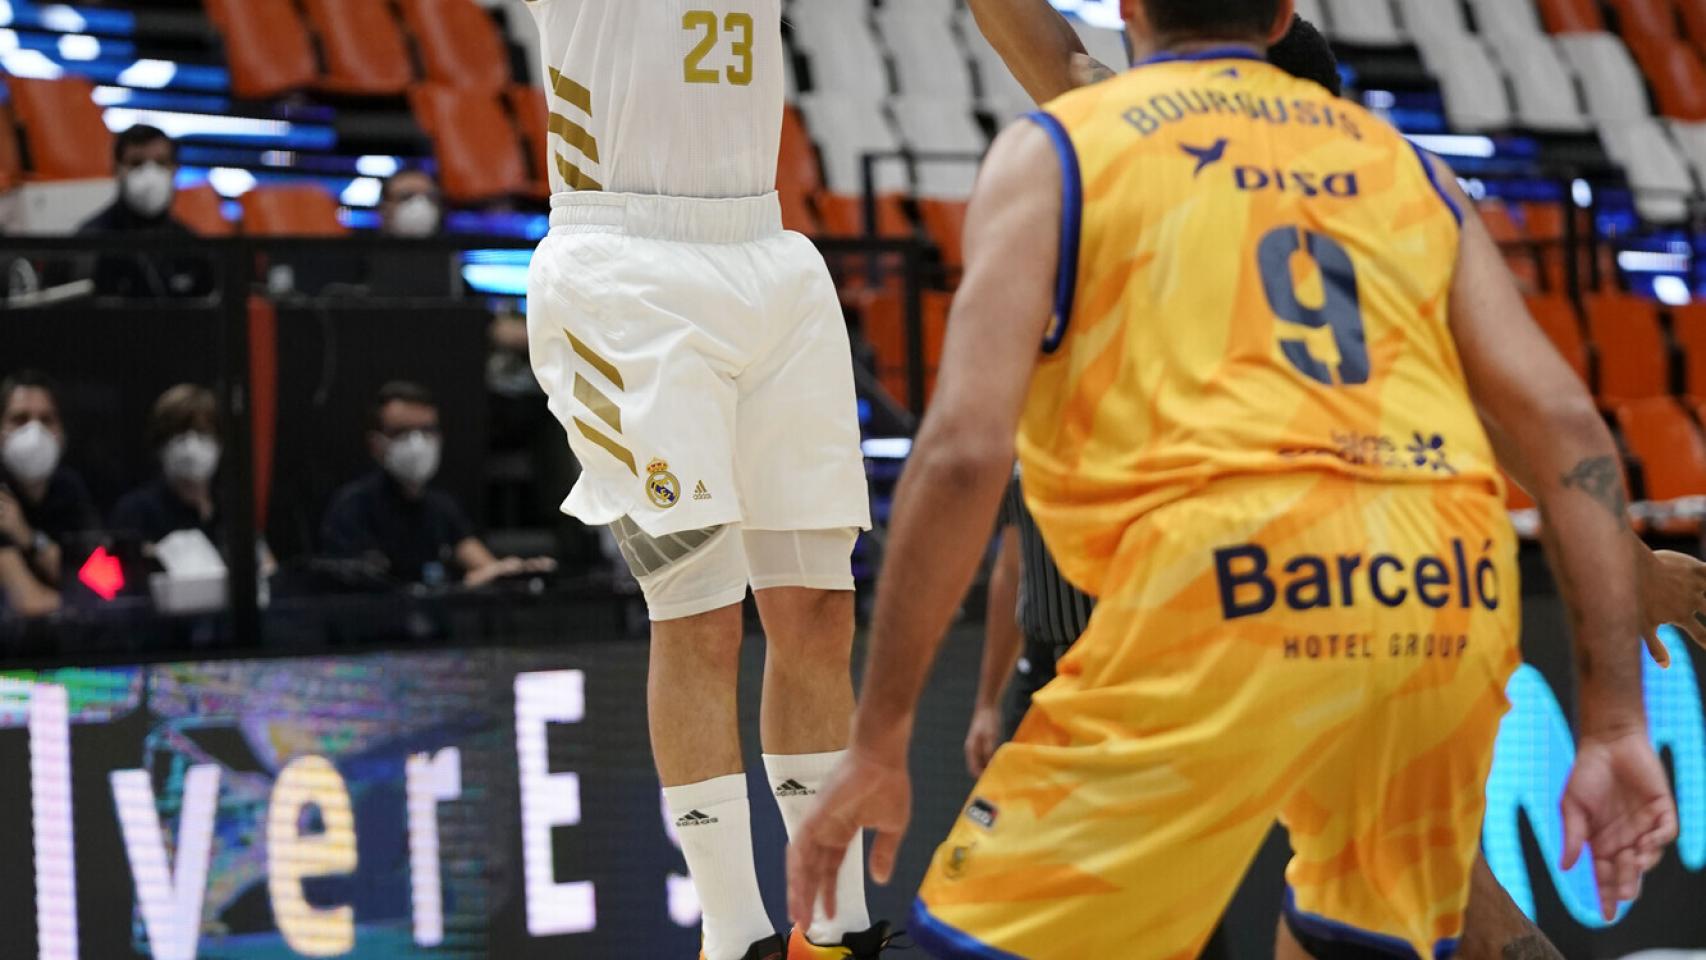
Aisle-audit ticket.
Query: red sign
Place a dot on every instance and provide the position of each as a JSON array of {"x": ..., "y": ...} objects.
[{"x": 103, "y": 574}]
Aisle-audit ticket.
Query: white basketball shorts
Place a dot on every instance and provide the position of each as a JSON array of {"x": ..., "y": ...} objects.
[{"x": 696, "y": 354}]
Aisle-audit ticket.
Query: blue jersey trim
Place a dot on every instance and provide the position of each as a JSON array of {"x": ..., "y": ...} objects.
[
  {"x": 1327, "y": 929},
  {"x": 1433, "y": 177},
  {"x": 1071, "y": 226},
  {"x": 1211, "y": 53},
  {"x": 947, "y": 943}
]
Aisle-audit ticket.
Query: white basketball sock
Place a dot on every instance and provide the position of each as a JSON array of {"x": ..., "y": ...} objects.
[
  {"x": 795, "y": 780},
  {"x": 714, "y": 824}
]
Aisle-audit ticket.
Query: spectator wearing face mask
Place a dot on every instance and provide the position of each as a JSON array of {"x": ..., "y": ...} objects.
[
  {"x": 183, "y": 432},
  {"x": 394, "y": 519},
  {"x": 145, "y": 163},
  {"x": 42, "y": 502},
  {"x": 411, "y": 208}
]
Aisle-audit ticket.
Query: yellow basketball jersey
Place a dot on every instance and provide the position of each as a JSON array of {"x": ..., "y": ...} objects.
[{"x": 1255, "y": 279}]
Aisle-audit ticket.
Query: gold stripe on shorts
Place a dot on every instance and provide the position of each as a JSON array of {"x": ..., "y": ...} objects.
[
  {"x": 610, "y": 446},
  {"x": 602, "y": 406},
  {"x": 600, "y": 364}
]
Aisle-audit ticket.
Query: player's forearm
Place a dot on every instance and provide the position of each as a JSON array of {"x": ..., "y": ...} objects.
[
  {"x": 1001, "y": 637},
  {"x": 1572, "y": 465},
  {"x": 1035, "y": 42},
  {"x": 943, "y": 510}
]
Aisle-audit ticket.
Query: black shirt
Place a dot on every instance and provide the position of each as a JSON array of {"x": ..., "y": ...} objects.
[
  {"x": 141, "y": 275},
  {"x": 1052, "y": 613},
  {"x": 373, "y": 518},
  {"x": 65, "y": 510},
  {"x": 155, "y": 511}
]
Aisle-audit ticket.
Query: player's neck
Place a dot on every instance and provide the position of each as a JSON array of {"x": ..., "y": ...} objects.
[{"x": 1174, "y": 46}]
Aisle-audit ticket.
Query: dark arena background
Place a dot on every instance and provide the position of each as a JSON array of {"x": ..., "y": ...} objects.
[{"x": 248, "y": 744}]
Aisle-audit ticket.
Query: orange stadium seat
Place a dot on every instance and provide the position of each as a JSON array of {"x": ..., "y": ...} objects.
[
  {"x": 479, "y": 156},
  {"x": 884, "y": 323},
  {"x": 1634, "y": 362},
  {"x": 267, "y": 46},
  {"x": 1557, "y": 319},
  {"x": 843, "y": 215},
  {"x": 797, "y": 212},
  {"x": 11, "y": 156},
  {"x": 363, "y": 46},
  {"x": 1694, "y": 20},
  {"x": 458, "y": 43},
  {"x": 1571, "y": 16},
  {"x": 1646, "y": 18},
  {"x": 1689, "y": 324},
  {"x": 529, "y": 110},
  {"x": 64, "y": 134},
  {"x": 1669, "y": 445},
  {"x": 797, "y": 166},
  {"x": 1519, "y": 257},
  {"x": 199, "y": 208},
  {"x": 296, "y": 210},
  {"x": 1677, "y": 76},
  {"x": 1516, "y": 498},
  {"x": 945, "y": 222}
]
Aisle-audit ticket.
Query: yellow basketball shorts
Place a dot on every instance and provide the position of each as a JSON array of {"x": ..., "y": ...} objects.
[{"x": 1326, "y": 653}]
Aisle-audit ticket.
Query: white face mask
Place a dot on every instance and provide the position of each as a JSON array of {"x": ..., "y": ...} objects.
[
  {"x": 191, "y": 457},
  {"x": 31, "y": 452},
  {"x": 413, "y": 457},
  {"x": 148, "y": 189},
  {"x": 415, "y": 217}
]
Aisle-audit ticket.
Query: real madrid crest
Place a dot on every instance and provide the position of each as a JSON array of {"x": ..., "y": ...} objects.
[{"x": 661, "y": 486}]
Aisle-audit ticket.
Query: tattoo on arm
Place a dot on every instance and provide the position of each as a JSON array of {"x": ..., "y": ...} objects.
[
  {"x": 1599, "y": 478},
  {"x": 1529, "y": 947}
]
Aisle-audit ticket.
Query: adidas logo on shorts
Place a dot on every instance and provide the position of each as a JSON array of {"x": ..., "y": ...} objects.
[
  {"x": 700, "y": 493},
  {"x": 794, "y": 788},
  {"x": 694, "y": 818}
]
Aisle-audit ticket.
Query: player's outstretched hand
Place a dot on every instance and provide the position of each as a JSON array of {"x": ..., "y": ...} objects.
[
  {"x": 866, "y": 791},
  {"x": 1673, "y": 591},
  {"x": 1618, "y": 803}
]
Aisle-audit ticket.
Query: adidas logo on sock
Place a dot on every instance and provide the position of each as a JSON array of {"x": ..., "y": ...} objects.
[
  {"x": 700, "y": 493},
  {"x": 694, "y": 818},
  {"x": 794, "y": 788}
]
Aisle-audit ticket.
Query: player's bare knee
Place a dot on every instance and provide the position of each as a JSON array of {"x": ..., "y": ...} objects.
[
  {"x": 804, "y": 624},
  {"x": 804, "y": 584}
]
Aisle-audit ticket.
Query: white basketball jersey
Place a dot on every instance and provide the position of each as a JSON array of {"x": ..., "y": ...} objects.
[{"x": 673, "y": 97}]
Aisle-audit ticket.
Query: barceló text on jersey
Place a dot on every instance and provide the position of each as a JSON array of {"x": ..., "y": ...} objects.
[
  {"x": 1161, "y": 109},
  {"x": 1249, "y": 584}
]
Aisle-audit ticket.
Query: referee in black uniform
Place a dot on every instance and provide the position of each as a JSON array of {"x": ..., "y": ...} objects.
[{"x": 1034, "y": 615}]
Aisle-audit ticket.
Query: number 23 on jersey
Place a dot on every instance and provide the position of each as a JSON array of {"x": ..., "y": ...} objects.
[{"x": 734, "y": 29}]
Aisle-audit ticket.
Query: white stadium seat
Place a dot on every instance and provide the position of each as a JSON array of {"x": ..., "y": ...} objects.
[
  {"x": 1691, "y": 137},
  {"x": 1476, "y": 98},
  {"x": 836, "y": 36},
  {"x": 1545, "y": 91},
  {"x": 847, "y": 128},
  {"x": 1311, "y": 10},
  {"x": 1653, "y": 166},
  {"x": 940, "y": 125},
  {"x": 927, "y": 56},
  {"x": 1613, "y": 85},
  {"x": 1502, "y": 19},
  {"x": 1107, "y": 46},
  {"x": 1425, "y": 18},
  {"x": 1368, "y": 23}
]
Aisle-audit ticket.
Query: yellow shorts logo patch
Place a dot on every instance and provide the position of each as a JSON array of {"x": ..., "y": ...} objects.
[{"x": 662, "y": 489}]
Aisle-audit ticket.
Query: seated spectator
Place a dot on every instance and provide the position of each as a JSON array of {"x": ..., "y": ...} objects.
[
  {"x": 392, "y": 518},
  {"x": 410, "y": 208},
  {"x": 145, "y": 163},
  {"x": 42, "y": 502},
  {"x": 183, "y": 432}
]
